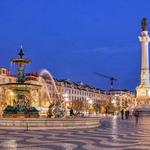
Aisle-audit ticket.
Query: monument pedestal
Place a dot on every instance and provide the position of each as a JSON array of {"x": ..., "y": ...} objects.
[
  {"x": 143, "y": 99},
  {"x": 143, "y": 95}
]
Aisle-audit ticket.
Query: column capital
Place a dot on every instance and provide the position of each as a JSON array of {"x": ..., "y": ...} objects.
[{"x": 144, "y": 38}]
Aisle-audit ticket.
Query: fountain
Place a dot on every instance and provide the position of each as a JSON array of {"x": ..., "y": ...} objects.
[
  {"x": 22, "y": 106},
  {"x": 54, "y": 109},
  {"x": 23, "y": 113},
  {"x": 45, "y": 71}
]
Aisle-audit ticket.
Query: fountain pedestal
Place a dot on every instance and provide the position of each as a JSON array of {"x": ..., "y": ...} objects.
[{"x": 22, "y": 107}]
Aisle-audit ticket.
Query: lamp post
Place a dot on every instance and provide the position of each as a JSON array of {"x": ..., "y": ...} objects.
[
  {"x": 66, "y": 99},
  {"x": 114, "y": 102},
  {"x": 11, "y": 98},
  {"x": 89, "y": 101},
  {"x": 86, "y": 106}
]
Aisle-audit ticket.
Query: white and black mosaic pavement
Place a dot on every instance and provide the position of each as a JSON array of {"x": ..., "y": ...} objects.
[{"x": 114, "y": 134}]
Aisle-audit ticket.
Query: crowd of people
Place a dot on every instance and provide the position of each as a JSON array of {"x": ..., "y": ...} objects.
[
  {"x": 77, "y": 114},
  {"x": 125, "y": 113}
]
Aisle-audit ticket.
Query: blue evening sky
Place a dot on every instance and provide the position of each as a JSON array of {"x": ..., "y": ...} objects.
[{"x": 74, "y": 38}]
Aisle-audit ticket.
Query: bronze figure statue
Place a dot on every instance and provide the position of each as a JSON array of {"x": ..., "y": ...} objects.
[{"x": 144, "y": 24}]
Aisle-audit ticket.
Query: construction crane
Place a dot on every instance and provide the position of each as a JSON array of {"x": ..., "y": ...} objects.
[{"x": 112, "y": 79}]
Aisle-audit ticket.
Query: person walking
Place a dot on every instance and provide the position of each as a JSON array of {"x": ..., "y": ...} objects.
[
  {"x": 127, "y": 114},
  {"x": 136, "y": 114},
  {"x": 122, "y": 114},
  {"x": 71, "y": 112}
]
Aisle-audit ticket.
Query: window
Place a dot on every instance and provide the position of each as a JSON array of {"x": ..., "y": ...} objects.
[
  {"x": 3, "y": 80},
  {"x": 10, "y": 80}
]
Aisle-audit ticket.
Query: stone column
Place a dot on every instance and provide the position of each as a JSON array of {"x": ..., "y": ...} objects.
[{"x": 144, "y": 40}]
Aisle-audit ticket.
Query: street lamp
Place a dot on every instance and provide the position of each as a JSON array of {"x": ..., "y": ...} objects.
[
  {"x": 66, "y": 96},
  {"x": 66, "y": 99},
  {"x": 113, "y": 101},
  {"x": 11, "y": 93},
  {"x": 90, "y": 101},
  {"x": 11, "y": 97}
]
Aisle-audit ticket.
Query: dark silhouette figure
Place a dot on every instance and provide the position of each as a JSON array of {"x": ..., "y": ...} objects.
[
  {"x": 144, "y": 24},
  {"x": 71, "y": 112},
  {"x": 127, "y": 114},
  {"x": 122, "y": 114},
  {"x": 106, "y": 110},
  {"x": 136, "y": 114}
]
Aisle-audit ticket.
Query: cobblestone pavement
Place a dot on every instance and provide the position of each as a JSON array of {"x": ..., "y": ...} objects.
[{"x": 114, "y": 134}]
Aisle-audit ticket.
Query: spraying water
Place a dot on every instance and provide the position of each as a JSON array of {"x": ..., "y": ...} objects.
[
  {"x": 42, "y": 80},
  {"x": 54, "y": 110},
  {"x": 44, "y": 85}
]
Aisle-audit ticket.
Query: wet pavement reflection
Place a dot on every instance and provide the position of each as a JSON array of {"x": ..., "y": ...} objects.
[{"x": 114, "y": 134}]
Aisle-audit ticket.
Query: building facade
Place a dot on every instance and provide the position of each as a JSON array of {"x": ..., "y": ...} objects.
[
  {"x": 76, "y": 95},
  {"x": 123, "y": 99}
]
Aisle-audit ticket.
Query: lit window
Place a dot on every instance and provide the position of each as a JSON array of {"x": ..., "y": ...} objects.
[{"x": 10, "y": 80}]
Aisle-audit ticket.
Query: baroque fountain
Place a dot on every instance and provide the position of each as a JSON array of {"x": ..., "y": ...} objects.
[
  {"x": 22, "y": 105},
  {"x": 24, "y": 114},
  {"x": 55, "y": 107}
]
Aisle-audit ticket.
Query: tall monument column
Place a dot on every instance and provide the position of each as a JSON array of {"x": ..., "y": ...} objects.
[
  {"x": 144, "y": 39},
  {"x": 143, "y": 90}
]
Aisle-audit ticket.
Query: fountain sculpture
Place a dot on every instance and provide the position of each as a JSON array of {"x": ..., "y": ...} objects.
[
  {"x": 54, "y": 110},
  {"x": 23, "y": 112},
  {"x": 22, "y": 105}
]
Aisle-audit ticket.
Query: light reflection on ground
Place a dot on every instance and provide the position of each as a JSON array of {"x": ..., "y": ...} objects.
[{"x": 114, "y": 134}]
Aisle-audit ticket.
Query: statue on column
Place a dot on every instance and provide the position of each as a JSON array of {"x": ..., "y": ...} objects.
[{"x": 144, "y": 24}]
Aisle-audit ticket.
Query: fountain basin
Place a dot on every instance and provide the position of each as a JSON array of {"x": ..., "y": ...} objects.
[
  {"x": 144, "y": 110},
  {"x": 47, "y": 123},
  {"x": 21, "y": 86},
  {"x": 33, "y": 115}
]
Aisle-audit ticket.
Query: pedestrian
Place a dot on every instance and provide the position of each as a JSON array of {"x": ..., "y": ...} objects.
[
  {"x": 71, "y": 112},
  {"x": 136, "y": 114},
  {"x": 122, "y": 114},
  {"x": 127, "y": 114}
]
